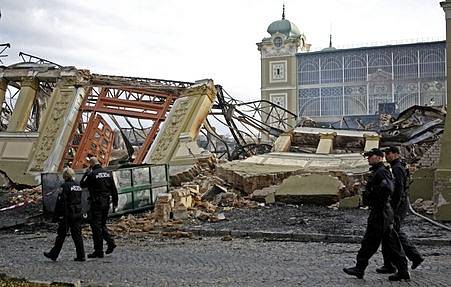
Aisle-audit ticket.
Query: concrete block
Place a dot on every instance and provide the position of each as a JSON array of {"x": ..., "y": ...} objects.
[
  {"x": 270, "y": 198},
  {"x": 326, "y": 143},
  {"x": 350, "y": 202},
  {"x": 443, "y": 212},
  {"x": 319, "y": 189},
  {"x": 283, "y": 143},
  {"x": 422, "y": 184}
]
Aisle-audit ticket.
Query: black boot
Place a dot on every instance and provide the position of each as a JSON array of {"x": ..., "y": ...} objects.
[
  {"x": 386, "y": 270},
  {"x": 354, "y": 271},
  {"x": 95, "y": 255},
  {"x": 417, "y": 262},
  {"x": 399, "y": 276},
  {"x": 50, "y": 256},
  {"x": 110, "y": 248}
]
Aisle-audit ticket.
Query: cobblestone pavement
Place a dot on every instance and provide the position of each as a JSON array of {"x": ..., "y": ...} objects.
[{"x": 147, "y": 261}]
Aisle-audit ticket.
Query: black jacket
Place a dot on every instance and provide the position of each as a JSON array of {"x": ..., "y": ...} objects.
[
  {"x": 68, "y": 203},
  {"x": 399, "y": 197},
  {"x": 377, "y": 194},
  {"x": 100, "y": 184}
]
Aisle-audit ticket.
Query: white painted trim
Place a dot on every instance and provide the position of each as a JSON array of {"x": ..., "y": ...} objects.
[{"x": 278, "y": 88}]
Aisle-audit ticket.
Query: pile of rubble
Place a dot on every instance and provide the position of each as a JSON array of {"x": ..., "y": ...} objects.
[
  {"x": 205, "y": 198},
  {"x": 423, "y": 206},
  {"x": 29, "y": 195}
]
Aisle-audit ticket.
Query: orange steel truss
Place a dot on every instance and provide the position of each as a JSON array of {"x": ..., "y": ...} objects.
[{"x": 138, "y": 98}]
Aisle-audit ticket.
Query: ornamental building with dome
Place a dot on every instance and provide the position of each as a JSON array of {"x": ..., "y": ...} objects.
[{"x": 329, "y": 84}]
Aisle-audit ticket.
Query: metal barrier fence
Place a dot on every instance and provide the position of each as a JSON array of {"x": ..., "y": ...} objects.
[{"x": 137, "y": 187}]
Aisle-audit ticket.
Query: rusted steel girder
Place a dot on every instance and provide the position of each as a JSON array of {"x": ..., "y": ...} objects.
[{"x": 116, "y": 98}]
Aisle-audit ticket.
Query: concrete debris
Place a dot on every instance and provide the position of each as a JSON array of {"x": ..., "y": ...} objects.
[
  {"x": 423, "y": 206},
  {"x": 226, "y": 199},
  {"x": 350, "y": 202},
  {"x": 227, "y": 238},
  {"x": 309, "y": 189},
  {"x": 187, "y": 173},
  {"x": 163, "y": 207},
  {"x": 30, "y": 195},
  {"x": 177, "y": 234},
  {"x": 213, "y": 192}
]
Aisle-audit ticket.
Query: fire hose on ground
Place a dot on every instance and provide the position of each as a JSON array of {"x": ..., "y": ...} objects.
[{"x": 426, "y": 218}]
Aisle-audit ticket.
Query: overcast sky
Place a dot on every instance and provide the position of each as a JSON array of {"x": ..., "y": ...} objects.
[{"x": 196, "y": 39}]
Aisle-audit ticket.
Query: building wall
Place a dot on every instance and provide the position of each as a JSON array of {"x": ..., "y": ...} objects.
[{"x": 355, "y": 81}]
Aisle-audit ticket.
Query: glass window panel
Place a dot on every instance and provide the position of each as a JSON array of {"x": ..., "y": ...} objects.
[
  {"x": 142, "y": 198},
  {"x": 141, "y": 176},
  {"x": 331, "y": 70},
  {"x": 158, "y": 175},
  {"x": 309, "y": 104},
  {"x": 122, "y": 178},
  {"x": 355, "y": 100},
  {"x": 332, "y": 101}
]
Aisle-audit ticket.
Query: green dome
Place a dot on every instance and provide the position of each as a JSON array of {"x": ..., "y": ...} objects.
[{"x": 284, "y": 27}]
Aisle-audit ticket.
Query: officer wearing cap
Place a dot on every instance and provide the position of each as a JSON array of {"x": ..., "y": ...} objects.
[
  {"x": 380, "y": 220},
  {"x": 101, "y": 187},
  {"x": 400, "y": 204}
]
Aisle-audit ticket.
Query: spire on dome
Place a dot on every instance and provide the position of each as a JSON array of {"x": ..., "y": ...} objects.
[{"x": 283, "y": 12}]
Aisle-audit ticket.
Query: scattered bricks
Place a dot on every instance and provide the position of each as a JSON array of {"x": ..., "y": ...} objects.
[
  {"x": 217, "y": 217},
  {"x": 163, "y": 207},
  {"x": 182, "y": 196},
  {"x": 423, "y": 206},
  {"x": 177, "y": 234},
  {"x": 201, "y": 215},
  {"x": 179, "y": 212},
  {"x": 213, "y": 192},
  {"x": 226, "y": 199},
  {"x": 193, "y": 188},
  {"x": 148, "y": 227}
]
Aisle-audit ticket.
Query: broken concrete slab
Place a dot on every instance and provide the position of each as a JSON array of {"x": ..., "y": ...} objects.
[
  {"x": 320, "y": 189},
  {"x": 265, "y": 170},
  {"x": 350, "y": 202},
  {"x": 213, "y": 192},
  {"x": 283, "y": 142},
  {"x": 265, "y": 195}
]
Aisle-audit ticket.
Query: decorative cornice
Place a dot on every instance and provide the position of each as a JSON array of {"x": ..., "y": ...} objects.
[{"x": 29, "y": 82}]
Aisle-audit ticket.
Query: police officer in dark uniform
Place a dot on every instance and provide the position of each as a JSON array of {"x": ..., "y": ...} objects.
[
  {"x": 68, "y": 214},
  {"x": 400, "y": 204},
  {"x": 101, "y": 187},
  {"x": 380, "y": 221}
]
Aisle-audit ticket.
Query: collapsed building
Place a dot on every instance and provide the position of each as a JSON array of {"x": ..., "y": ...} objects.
[{"x": 55, "y": 116}]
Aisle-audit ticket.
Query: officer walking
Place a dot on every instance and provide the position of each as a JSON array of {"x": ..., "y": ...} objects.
[
  {"x": 400, "y": 204},
  {"x": 101, "y": 187},
  {"x": 380, "y": 221},
  {"x": 68, "y": 214}
]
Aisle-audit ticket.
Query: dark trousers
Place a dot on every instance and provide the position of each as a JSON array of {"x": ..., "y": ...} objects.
[
  {"x": 75, "y": 231},
  {"x": 410, "y": 250},
  {"x": 99, "y": 216},
  {"x": 376, "y": 233}
]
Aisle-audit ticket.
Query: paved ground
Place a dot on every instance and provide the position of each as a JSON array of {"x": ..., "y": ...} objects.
[
  {"x": 147, "y": 261},
  {"x": 315, "y": 219}
]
